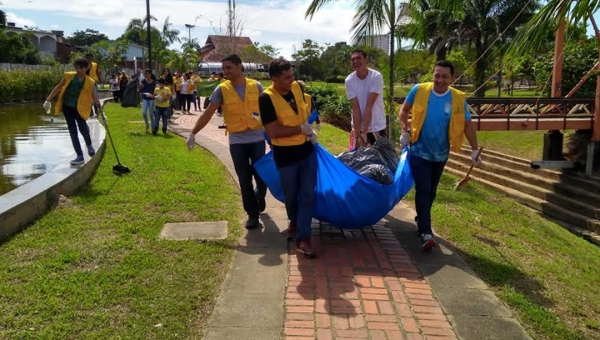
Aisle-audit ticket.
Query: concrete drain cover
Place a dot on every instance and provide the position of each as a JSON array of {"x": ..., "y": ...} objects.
[{"x": 194, "y": 231}]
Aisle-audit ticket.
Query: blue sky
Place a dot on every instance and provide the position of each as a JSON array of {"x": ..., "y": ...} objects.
[{"x": 276, "y": 22}]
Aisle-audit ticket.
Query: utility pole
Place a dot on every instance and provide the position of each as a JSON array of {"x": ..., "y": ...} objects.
[
  {"x": 189, "y": 27},
  {"x": 149, "y": 34}
]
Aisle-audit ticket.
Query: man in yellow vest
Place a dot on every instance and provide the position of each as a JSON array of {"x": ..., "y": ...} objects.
[
  {"x": 239, "y": 98},
  {"x": 76, "y": 97},
  {"x": 439, "y": 120},
  {"x": 93, "y": 72},
  {"x": 283, "y": 111}
]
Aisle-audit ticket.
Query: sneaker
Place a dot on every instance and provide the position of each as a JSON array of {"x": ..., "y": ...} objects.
[
  {"x": 304, "y": 247},
  {"x": 291, "y": 231},
  {"x": 428, "y": 242},
  {"x": 78, "y": 161},
  {"x": 91, "y": 151},
  {"x": 252, "y": 222}
]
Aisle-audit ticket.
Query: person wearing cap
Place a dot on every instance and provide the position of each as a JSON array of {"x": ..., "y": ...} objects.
[{"x": 239, "y": 97}]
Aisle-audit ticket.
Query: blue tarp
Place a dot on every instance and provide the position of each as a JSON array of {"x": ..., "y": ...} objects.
[{"x": 344, "y": 198}]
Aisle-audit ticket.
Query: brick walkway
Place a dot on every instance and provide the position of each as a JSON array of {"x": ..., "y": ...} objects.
[{"x": 362, "y": 285}]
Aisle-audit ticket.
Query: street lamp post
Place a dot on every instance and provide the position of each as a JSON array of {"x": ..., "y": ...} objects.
[
  {"x": 189, "y": 27},
  {"x": 149, "y": 33}
]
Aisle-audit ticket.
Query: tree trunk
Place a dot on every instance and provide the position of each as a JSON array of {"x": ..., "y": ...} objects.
[
  {"x": 391, "y": 113},
  {"x": 440, "y": 53}
]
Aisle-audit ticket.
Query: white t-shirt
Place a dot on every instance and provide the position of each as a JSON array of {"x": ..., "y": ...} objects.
[
  {"x": 186, "y": 87},
  {"x": 360, "y": 89}
]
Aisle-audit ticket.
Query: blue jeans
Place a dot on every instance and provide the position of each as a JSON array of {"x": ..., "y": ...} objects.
[
  {"x": 160, "y": 112},
  {"x": 244, "y": 156},
  {"x": 74, "y": 120},
  {"x": 427, "y": 176},
  {"x": 298, "y": 182},
  {"x": 148, "y": 110}
]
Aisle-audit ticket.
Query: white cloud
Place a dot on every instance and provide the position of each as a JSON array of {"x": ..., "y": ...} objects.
[
  {"x": 18, "y": 20},
  {"x": 274, "y": 22}
]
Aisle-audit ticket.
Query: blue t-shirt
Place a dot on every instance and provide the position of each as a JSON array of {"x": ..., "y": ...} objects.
[
  {"x": 148, "y": 87},
  {"x": 433, "y": 144},
  {"x": 248, "y": 136}
]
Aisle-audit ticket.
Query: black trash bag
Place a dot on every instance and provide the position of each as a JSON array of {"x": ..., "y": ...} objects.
[
  {"x": 378, "y": 162},
  {"x": 130, "y": 95}
]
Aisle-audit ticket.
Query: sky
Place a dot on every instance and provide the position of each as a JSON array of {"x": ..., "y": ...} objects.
[{"x": 275, "y": 22}]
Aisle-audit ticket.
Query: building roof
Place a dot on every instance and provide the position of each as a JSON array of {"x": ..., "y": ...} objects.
[{"x": 217, "y": 47}]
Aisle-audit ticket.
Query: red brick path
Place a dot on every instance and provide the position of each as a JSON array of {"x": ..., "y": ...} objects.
[{"x": 362, "y": 285}]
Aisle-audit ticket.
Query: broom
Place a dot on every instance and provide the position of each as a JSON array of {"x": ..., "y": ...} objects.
[{"x": 465, "y": 180}]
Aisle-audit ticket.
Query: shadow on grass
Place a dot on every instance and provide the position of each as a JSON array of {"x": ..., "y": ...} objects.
[{"x": 491, "y": 272}]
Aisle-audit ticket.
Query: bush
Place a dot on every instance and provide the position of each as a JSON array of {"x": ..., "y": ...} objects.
[
  {"x": 334, "y": 108},
  {"x": 24, "y": 85}
]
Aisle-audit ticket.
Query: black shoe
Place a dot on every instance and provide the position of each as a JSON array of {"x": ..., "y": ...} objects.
[
  {"x": 262, "y": 204},
  {"x": 252, "y": 222}
]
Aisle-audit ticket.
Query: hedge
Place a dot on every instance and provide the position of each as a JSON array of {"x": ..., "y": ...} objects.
[
  {"x": 26, "y": 85},
  {"x": 334, "y": 108}
]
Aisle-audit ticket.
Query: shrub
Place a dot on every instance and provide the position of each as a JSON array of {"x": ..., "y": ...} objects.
[
  {"x": 25, "y": 85},
  {"x": 334, "y": 108}
]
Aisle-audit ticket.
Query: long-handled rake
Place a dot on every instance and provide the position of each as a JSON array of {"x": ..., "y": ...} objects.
[{"x": 118, "y": 169}]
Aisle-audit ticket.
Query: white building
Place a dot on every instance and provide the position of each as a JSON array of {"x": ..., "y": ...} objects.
[
  {"x": 46, "y": 42},
  {"x": 380, "y": 41}
]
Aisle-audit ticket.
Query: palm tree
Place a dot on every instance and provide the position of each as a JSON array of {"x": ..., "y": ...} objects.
[
  {"x": 169, "y": 35},
  {"x": 373, "y": 17}
]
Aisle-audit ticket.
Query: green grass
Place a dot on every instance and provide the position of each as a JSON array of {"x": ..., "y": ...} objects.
[
  {"x": 548, "y": 276},
  {"x": 524, "y": 144},
  {"x": 94, "y": 268}
]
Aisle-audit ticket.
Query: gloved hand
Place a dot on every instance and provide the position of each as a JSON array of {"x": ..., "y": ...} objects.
[
  {"x": 312, "y": 137},
  {"x": 477, "y": 161},
  {"x": 173, "y": 97},
  {"x": 404, "y": 139},
  {"x": 191, "y": 141},
  {"x": 307, "y": 129},
  {"x": 47, "y": 106},
  {"x": 318, "y": 127},
  {"x": 159, "y": 98}
]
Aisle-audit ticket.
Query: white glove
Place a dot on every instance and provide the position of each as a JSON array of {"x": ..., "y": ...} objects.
[
  {"x": 318, "y": 127},
  {"x": 173, "y": 97},
  {"x": 478, "y": 161},
  {"x": 404, "y": 139},
  {"x": 47, "y": 106},
  {"x": 159, "y": 98},
  {"x": 307, "y": 129},
  {"x": 191, "y": 141},
  {"x": 312, "y": 138}
]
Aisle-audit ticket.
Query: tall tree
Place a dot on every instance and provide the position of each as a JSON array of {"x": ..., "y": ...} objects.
[
  {"x": 374, "y": 17},
  {"x": 86, "y": 38},
  {"x": 309, "y": 58}
]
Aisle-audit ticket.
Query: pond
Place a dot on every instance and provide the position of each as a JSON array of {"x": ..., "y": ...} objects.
[{"x": 31, "y": 143}]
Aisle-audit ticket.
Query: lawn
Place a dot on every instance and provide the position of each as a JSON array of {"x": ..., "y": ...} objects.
[
  {"x": 548, "y": 276},
  {"x": 94, "y": 267}
]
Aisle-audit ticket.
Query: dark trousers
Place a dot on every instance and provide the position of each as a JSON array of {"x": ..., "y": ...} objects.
[
  {"x": 244, "y": 156},
  {"x": 74, "y": 120},
  {"x": 160, "y": 113},
  {"x": 371, "y": 137},
  {"x": 427, "y": 176},
  {"x": 186, "y": 104}
]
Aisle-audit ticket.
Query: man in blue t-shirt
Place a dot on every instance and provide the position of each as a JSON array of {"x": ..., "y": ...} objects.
[{"x": 432, "y": 136}]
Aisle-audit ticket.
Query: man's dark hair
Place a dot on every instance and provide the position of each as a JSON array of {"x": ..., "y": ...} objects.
[
  {"x": 358, "y": 50},
  {"x": 81, "y": 62},
  {"x": 233, "y": 58},
  {"x": 89, "y": 55},
  {"x": 445, "y": 63},
  {"x": 276, "y": 66}
]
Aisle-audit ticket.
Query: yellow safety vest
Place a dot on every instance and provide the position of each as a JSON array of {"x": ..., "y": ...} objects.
[
  {"x": 286, "y": 116},
  {"x": 93, "y": 71},
  {"x": 456, "y": 129},
  {"x": 239, "y": 115},
  {"x": 308, "y": 101},
  {"x": 85, "y": 100}
]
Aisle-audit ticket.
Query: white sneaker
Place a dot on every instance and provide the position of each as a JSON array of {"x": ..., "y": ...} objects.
[{"x": 428, "y": 242}]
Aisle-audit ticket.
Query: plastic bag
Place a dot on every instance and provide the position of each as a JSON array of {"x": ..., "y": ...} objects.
[{"x": 377, "y": 162}]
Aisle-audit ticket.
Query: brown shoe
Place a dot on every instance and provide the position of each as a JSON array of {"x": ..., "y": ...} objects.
[
  {"x": 304, "y": 247},
  {"x": 291, "y": 231}
]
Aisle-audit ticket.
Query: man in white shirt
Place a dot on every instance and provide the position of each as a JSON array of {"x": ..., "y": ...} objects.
[{"x": 364, "y": 88}]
